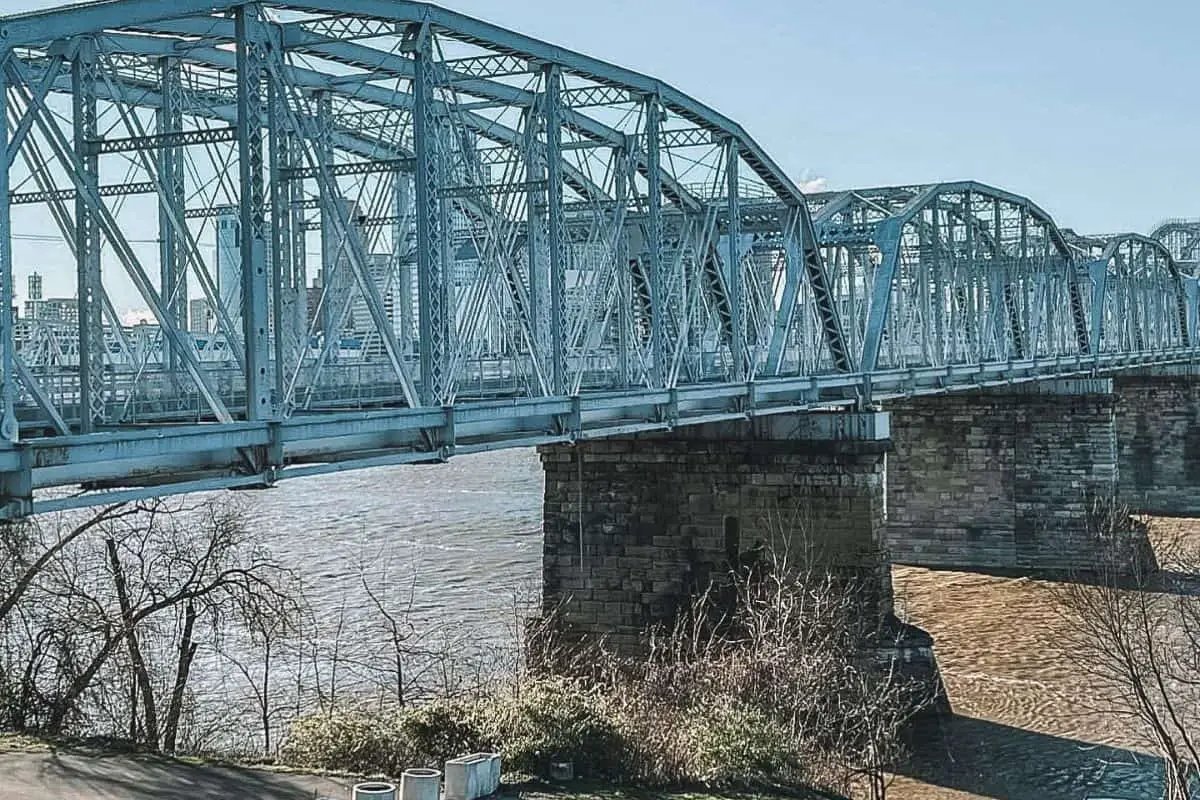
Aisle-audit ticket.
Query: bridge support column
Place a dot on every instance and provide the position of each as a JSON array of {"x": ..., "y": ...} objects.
[
  {"x": 635, "y": 527},
  {"x": 1158, "y": 442},
  {"x": 1002, "y": 479}
]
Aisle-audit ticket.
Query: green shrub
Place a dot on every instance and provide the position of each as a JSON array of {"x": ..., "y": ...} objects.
[
  {"x": 355, "y": 742},
  {"x": 618, "y": 736},
  {"x": 556, "y": 719},
  {"x": 382, "y": 744},
  {"x": 431, "y": 734},
  {"x": 729, "y": 745}
]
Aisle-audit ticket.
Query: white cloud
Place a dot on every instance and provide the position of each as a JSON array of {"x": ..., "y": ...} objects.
[{"x": 813, "y": 185}]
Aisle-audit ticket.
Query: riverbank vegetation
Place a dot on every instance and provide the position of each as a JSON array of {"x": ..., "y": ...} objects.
[
  {"x": 138, "y": 622},
  {"x": 778, "y": 677}
]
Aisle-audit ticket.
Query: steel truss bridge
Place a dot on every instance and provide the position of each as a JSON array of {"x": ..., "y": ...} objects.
[{"x": 533, "y": 245}]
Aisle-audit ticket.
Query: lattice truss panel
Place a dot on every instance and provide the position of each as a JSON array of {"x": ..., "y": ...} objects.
[
  {"x": 1182, "y": 238},
  {"x": 390, "y": 207},
  {"x": 959, "y": 274}
]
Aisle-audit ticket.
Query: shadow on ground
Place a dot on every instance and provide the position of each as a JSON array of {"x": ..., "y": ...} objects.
[
  {"x": 62, "y": 773},
  {"x": 991, "y": 760}
]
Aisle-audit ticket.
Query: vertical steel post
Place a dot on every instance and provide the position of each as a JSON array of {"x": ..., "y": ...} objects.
[
  {"x": 299, "y": 246},
  {"x": 434, "y": 327},
  {"x": 173, "y": 255},
  {"x": 939, "y": 287},
  {"x": 401, "y": 224},
  {"x": 8, "y": 375},
  {"x": 281, "y": 288},
  {"x": 251, "y": 53},
  {"x": 332, "y": 244},
  {"x": 625, "y": 336},
  {"x": 84, "y": 74},
  {"x": 557, "y": 226},
  {"x": 786, "y": 313},
  {"x": 536, "y": 246},
  {"x": 733, "y": 263},
  {"x": 658, "y": 344}
]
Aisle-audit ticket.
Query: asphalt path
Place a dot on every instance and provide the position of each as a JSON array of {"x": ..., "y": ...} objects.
[{"x": 83, "y": 776}]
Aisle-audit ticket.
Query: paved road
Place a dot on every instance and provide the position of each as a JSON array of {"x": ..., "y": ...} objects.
[{"x": 63, "y": 774}]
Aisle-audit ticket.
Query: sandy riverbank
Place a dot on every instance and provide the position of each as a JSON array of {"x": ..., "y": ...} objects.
[{"x": 1022, "y": 729}]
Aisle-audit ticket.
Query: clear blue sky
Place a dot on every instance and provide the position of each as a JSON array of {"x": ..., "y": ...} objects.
[{"x": 1090, "y": 107}]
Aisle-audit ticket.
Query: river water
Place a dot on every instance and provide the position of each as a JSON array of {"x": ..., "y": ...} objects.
[{"x": 462, "y": 541}]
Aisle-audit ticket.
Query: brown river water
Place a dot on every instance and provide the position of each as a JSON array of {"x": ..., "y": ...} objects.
[{"x": 464, "y": 538}]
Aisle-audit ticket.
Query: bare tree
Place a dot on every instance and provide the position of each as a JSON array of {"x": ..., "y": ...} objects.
[
  {"x": 93, "y": 624},
  {"x": 784, "y": 635},
  {"x": 26, "y": 551},
  {"x": 186, "y": 648},
  {"x": 397, "y": 626}
]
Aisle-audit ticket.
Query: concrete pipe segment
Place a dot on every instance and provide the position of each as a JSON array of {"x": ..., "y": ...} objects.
[
  {"x": 375, "y": 790},
  {"x": 420, "y": 784}
]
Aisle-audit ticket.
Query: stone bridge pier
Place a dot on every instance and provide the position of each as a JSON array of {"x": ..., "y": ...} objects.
[
  {"x": 1004, "y": 478},
  {"x": 1158, "y": 441},
  {"x": 636, "y": 527}
]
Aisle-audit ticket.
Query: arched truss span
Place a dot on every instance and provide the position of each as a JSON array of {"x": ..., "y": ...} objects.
[
  {"x": 1139, "y": 294},
  {"x": 950, "y": 273},
  {"x": 379, "y": 232},
  {"x": 1182, "y": 238}
]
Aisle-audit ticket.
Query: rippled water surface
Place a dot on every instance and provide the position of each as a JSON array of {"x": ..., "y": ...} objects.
[
  {"x": 465, "y": 539},
  {"x": 464, "y": 536}
]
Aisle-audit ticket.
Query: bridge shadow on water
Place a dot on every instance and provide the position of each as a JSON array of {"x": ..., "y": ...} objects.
[{"x": 997, "y": 761}]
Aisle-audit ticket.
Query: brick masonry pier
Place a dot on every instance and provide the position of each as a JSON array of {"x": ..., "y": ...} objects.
[
  {"x": 635, "y": 527},
  {"x": 1002, "y": 479},
  {"x": 1158, "y": 440}
]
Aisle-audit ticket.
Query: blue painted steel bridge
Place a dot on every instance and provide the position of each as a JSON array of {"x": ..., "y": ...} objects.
[{"x": 396, "y": 233}]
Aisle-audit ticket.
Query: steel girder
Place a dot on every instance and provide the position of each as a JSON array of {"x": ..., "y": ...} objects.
[{"x": 517, "y": 243}]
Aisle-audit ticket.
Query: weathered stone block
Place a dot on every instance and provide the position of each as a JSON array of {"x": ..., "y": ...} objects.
[{"x": 1158, "y": 434}]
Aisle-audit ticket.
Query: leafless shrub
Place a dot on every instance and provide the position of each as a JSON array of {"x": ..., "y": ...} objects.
[{"x": 785, "y": 641}]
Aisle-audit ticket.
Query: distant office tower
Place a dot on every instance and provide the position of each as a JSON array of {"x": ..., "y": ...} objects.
[
  {"x": 54, "y": 309},
  {"x": 229, "y": 261},
  {"x": 200, "y": 315}
]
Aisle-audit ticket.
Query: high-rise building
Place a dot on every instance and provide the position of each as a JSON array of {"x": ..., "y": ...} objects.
[
  {"x": 200, "y": 316},
  {"x": 55, "y": 309},
  {"x": 229, "y": 260}
]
